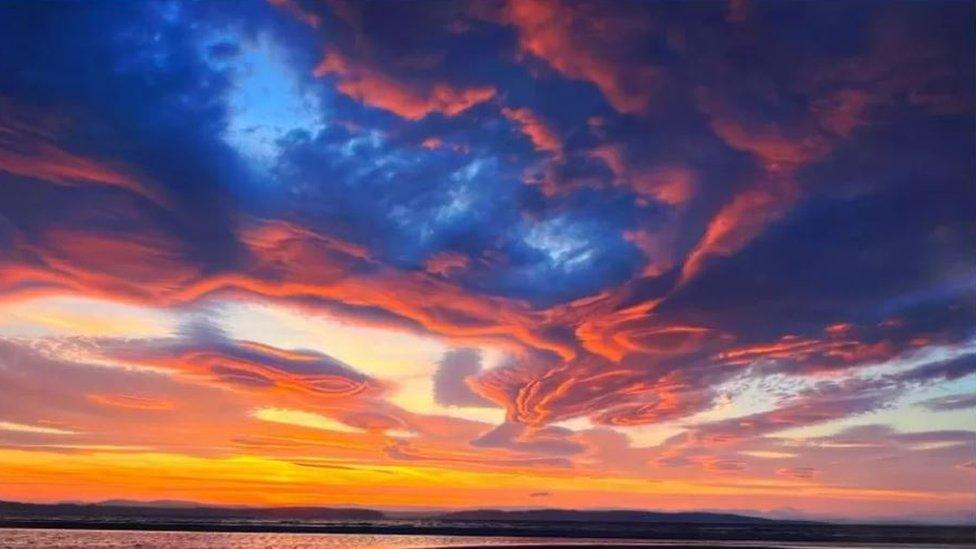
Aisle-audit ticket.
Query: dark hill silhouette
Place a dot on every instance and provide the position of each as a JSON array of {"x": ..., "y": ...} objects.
[
  {"x": 186, "y": 511},
  {"x": 568, "y": 515},
  {"x": 553, "y": 523},
  {"x": 190, "y": 510}
]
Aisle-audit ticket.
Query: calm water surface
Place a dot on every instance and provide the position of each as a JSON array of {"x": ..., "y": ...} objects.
[{"x": 16, "y": 538}]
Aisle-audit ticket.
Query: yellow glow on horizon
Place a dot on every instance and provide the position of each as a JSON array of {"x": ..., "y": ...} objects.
[{"x": 248, "y": 479}]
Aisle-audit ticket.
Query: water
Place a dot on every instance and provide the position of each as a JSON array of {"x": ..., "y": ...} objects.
[{"x": 18, "y": 538}]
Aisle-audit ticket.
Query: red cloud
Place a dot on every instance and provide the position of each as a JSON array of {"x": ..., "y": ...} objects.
[
  {"x": 298, "y": 12},
  {"x": 739, "y": 221},
  {"x": 543, "y": 137},
  {"x": 54, "y": 165},
  {"x": 144, "y": 267},
  {"x": 779, "y": 149},
  {"x": 620, "y": 369},
  {"x": 280, "y": 261},
  {"x": 587, "y": 42},
  {"x": 27, "y": 150},
  {"x": 290, "y": 262},
  {"x": 445, "y": 263},
  {"x": 536, "y": 391},
  {"x": 431, "y": 143},
  {"x": 669, "y": 184},
  {"x": 28, "y": 155},
  {"x": 664, "y": 403},
  {"x": 811, "y": 354},
  {"x": 673, "y": 185},
  {"x": 658, "y": 246},
  {"x": 412, "y": 101}
]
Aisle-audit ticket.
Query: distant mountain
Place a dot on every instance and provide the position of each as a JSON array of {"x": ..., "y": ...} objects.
[
  {"x": 185, "y": 510},
  {"x": 563, "y": 515},
  {"x": 167, "y": 503},
  {"x": 182, "y": 510}
]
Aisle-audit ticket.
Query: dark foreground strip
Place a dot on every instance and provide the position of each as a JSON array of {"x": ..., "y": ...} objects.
[{"x": 845, "y": 533}]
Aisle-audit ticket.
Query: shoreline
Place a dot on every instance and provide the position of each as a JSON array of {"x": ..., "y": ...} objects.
[{"x": 690, "y": 533}]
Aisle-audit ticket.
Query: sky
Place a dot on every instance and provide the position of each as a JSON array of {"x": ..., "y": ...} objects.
[{"x": 528, "y": 253}]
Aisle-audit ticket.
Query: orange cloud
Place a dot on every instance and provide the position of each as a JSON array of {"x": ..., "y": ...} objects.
[
  {"x": 130, "y": 401},
  {"x": 412, "y": 101}
]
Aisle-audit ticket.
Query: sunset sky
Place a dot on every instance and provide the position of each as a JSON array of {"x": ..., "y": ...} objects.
[{"x": 653, "y": 255}]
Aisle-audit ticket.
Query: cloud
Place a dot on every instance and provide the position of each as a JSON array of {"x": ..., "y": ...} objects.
[
  {"x": 298, "y": 12},
  {"x": 37, "y": 429},
  {"x": 542, "y": 136},
  {"x": 132, "y": 402},
  {"x": 28, "y": 150},
  {"x": 445, "y": 263},
  {"x": 520, "y": 438},
  {"x": 803, "y": 411},
  {"x": 739, "y": 221},
  {"x": 412, "y": 101},
  {"x": 802, "y": 473},
  {"x": 587, "y": 42},
  {"x": 724, "y": 465},
  {"x": 950, "y": 402},
  {"x": 666, "y": 404},
  {"x": 450, "y": 381},
  {"x": 671, "y": 184},
  {"x": 949, "y": 369},
  {"x": 302, "y": 418},
  {"x": 140, "y": 266},
  {"x": 204, "y": 352},
  {"x": 839, "y": 350}
]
